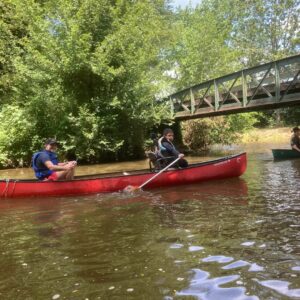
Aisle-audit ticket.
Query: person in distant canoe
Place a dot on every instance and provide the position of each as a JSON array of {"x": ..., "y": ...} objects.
[
  {"x": 295, "y": 139},
  {"x": 47, "y": 167},
  {"x": 167, "y": 149},
  {"x": 155, "y": 146}
]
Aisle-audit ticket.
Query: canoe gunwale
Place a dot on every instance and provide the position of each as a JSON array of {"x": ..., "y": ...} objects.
[{"x": 285, "y": 154}]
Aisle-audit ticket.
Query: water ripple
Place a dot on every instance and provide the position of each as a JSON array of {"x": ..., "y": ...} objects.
[
  {"x": 256, "y": 268},
  {"x": 236, "y": 264},
  {"x": 205, "y": 288},
  {"x": 195, "y": 248},
  {"x": 282, "y": 287},
  {"x": 218, "y": 258}
]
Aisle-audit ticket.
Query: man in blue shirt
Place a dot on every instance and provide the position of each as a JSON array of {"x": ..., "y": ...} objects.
[{"x": 47, "y": 167}]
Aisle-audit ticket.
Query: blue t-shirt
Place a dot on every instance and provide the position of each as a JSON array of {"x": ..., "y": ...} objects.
[{"x": 41, "y": 159}]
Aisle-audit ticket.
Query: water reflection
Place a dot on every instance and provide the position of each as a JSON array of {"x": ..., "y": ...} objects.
[
  {"x": 205, "y": 288},
  {"x": 218, "y": 258},
  {"x": 281, "y": 287},
  {"x": 231, "y": 191}
]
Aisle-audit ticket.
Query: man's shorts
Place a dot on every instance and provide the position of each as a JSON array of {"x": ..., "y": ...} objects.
[{"x": 52, "y": 177}]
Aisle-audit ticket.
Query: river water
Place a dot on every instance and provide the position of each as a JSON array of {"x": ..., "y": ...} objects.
[{"x": 230, "y": 239}]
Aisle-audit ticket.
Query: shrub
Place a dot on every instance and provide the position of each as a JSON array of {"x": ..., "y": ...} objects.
[
  {"x": 199, "y": 134},
  {"x": 16, "y": 136}
]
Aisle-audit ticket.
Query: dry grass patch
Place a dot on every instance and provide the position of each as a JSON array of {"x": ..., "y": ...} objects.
[{"x": 267, "y": 135}]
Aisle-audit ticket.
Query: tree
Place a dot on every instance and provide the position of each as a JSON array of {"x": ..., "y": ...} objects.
[
  {"x": 265, "y": 30},
  {"x": 89, "y": 73},
  {"x": 13, "y": 28},
  {"x": 202, "y": 50}
]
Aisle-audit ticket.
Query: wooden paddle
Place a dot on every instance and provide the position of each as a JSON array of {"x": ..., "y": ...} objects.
[{"x": 131, "y": 188}]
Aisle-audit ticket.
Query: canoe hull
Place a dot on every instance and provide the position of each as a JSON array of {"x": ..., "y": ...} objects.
[
  {"x": 227, "y": 167},
  {"x": 280, "y": 154}
]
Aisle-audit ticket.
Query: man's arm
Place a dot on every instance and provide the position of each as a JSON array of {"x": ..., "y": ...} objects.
[
  {"x": 74, "y": 162},
  {"x": 45, "y": 159},
  {"x": 172, "y": 150},
  {"x": 60, "y": 167},
  {"x": 295, "y": 148},
  {"x": 294, "y": 144}
]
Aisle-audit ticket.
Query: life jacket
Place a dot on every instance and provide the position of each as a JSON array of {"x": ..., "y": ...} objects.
[
  {"x": 163, "y": 152},
  {"x": 42, "y": 173}
]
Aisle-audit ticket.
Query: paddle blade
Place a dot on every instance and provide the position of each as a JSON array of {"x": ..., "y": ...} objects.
[{"x": 131, "y": 189}]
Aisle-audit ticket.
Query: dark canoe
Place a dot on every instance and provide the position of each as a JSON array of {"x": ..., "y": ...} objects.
[
  {"x": 226, "y": 167},
  {"x": 279, "y": 154}
]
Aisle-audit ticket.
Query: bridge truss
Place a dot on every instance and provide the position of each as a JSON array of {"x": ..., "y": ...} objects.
[{"x": 268, "y": 86}]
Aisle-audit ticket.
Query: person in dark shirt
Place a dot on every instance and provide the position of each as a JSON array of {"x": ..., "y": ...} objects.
[
  {"x": 47, "y": 167},
  {"x": 167, "y": 149},
  {"x": 295, "y": 139}
]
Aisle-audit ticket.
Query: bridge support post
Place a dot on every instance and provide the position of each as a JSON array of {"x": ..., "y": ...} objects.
[
  {"x": 244, "y": 87},
  {"x": 192, "y": 101},
  {"x": 217, "y": 96},
  {"x": 277, "y": 82}
]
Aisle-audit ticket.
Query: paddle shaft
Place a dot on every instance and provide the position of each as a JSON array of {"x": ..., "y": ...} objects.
[{"x": 164, "y": 169}]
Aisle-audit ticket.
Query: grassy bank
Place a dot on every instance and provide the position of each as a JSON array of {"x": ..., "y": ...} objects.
[{"x": 267, "y": 135}]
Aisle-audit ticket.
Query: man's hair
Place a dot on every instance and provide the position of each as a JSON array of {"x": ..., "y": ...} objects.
[
  {"x": 51, "y": 141},
  {"x": 296, "y": 129},
  {"x": 153, "y": 136},
  {"x": 167, "y": 131}
]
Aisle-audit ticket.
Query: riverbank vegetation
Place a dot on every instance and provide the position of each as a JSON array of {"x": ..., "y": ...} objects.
[
  {"x": 254, "y": 127},
  {"x": 91, "y": 72},
  {"x": 267, "y": 135}
]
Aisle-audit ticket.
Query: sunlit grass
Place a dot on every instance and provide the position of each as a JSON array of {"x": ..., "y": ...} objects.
[{"x": 267, "y": 135}]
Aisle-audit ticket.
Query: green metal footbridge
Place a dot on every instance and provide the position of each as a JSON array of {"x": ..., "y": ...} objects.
[{"x": 268, "y": 86}]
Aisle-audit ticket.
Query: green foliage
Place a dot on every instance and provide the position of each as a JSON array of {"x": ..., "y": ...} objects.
[
  {"x": 266, "y": 118},
  {"x": 199, "y": 134},
  {"x": 202, "y": 52},
  {"x": 88, "y": 72},
  {"x": 265, "y": 30},
  {"x": 241, "y": 123},
  {"x": 12, "y": 30},
  {"x": 87, "y": 138},
  {"x": 291, "y": 116},
  {"x": 16, "y": 136}
]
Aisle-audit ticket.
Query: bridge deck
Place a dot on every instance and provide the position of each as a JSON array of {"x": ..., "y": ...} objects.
[{"x": 272, "y": 85}]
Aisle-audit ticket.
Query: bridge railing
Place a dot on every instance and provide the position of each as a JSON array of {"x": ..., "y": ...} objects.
[{"x": 269, "y": 85}]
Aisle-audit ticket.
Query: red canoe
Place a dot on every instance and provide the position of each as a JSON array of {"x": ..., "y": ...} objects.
[{"x": 226, "y": 167}]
